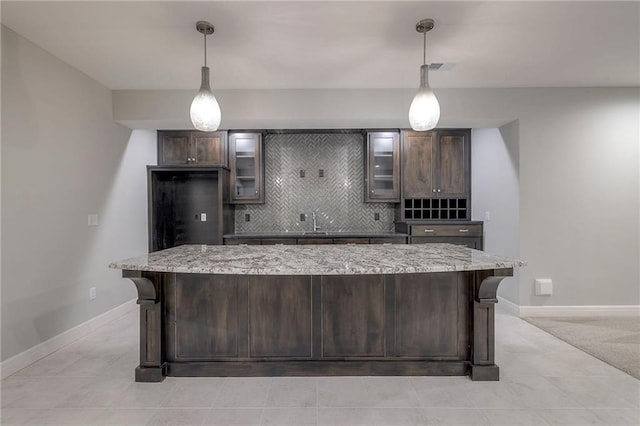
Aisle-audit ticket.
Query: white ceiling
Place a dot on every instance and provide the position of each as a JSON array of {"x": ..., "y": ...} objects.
[{"x": 272, "y": 45}]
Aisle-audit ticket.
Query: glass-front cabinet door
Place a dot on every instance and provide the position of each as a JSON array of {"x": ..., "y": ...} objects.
[
  {"x": 382, "y": 167},
  {"x": 247, "y": 185}
]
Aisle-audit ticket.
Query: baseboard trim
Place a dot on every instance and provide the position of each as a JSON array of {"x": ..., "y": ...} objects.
[
  {"x": 567, "y": 311},
  {"x": 31, "y": 355},
  {"x": 579, "y": 311},
  {"x": 509, "y": 306}
]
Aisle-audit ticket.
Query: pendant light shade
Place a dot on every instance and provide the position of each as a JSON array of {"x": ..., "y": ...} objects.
[
  {"x": 205, "y": 111},
  {"x": 424, "y": 112}
]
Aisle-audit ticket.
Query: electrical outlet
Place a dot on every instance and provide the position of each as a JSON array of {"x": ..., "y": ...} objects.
[
  {"x": 487, "y": 216},
  {"x": 303, "y": 217},
  {"x": 321, "y": 173},
  {"x": 376, "y": 216},
  {"x": 92, "y": 293},
  {"x": 203, "y": 217},
  {"x": 544, "y": 286},
  {"x": 302, "y": 173},
  {"x": 92, "y": 220},
  {"x": 247, "y": 217}
]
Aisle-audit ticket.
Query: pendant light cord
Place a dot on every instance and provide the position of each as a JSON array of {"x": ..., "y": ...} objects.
[
  {"x": 205, "y": 50},
  {"x": 424, "y": 48}
]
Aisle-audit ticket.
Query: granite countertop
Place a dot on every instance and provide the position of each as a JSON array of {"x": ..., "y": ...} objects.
[
  {"x": 319, "y": 234},
  {"x": 350, "y": 259}
]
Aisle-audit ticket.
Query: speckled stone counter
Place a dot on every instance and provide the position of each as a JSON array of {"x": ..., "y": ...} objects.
[
  {"x": 317, "y": 260},
  {"x": 388, "y": 309}
]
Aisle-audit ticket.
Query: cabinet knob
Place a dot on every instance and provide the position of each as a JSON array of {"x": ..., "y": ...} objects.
[
  {"x": 434, "y": 190},
  {"x": 372, "y": 191},
  {"x": 438, "y": 190}
]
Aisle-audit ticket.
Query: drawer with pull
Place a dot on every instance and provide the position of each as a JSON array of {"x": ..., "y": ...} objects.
[{"x": 454, "y": 230}]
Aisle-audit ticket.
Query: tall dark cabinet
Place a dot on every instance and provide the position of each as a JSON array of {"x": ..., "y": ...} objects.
[
  {"x": 188, "y": 205},
  {"x": 436, "y": 175}
]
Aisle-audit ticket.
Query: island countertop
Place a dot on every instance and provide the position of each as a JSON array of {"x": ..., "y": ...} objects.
[{"x": 316, "y": 260}]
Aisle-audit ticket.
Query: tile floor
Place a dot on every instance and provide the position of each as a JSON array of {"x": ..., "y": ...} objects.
[{"x": 544, "y": 382}]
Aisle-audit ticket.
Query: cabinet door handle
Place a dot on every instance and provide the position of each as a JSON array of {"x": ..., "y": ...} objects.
[
  {"x": 463, "y": 230},
  {"x": 428, "y": 230}
]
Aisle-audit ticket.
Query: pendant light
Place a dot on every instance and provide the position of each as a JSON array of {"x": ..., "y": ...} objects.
[
  {"x": 205, "y": 111},
  {"x": 424, "y": 111}
]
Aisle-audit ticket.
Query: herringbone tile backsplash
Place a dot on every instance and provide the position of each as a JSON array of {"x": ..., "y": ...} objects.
[{"x": 337, "y": 198}]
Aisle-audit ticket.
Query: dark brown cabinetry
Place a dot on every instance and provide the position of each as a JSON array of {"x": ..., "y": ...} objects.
[
  {"x": 293, "y": 240},
  {"x": 188, "y": 205},
  {"x": 192, "y": 148},
  {"x": 247, "y": 169},
  {"x": 257, "y": 325},
  {"x": 436, "y": 171},
  {"x": 468, "y": 234},
  {"x": 382, "y": 167}
]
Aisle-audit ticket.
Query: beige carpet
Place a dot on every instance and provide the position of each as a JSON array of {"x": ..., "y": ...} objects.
[{"x": 614, "y": 340}]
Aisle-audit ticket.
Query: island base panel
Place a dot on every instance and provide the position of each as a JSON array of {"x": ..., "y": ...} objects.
[
  {"x": 486, "y": 373},
  {"x": 234, "y": 325},
  {"x": 318, "y": 368},
  {"x": 151, "y": 374}
]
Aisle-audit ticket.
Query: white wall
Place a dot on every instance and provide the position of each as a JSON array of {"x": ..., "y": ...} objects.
[
  {"x": 579, "y": 165},
  {"x": 63, "y": 157},
  {"x": 495, "y": 190}
]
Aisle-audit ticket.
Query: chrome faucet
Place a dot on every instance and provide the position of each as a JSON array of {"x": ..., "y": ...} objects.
[{"x": 316, "y": 227}]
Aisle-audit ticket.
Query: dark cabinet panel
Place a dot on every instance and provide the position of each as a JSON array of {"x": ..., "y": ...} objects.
[
  {"x": 382, "y": 167},
  {"x": 280, "y": 316},
  {"x": 315, "y": 241},
  {"x": 429, "y": 315},
  {"x": 351, "y": 241},
  {"x": 454, "y": 164},
  {"x": 274, "y": 241},
  {"x": 206, "y": 317},
  {"x": 210, "y": 148},
  {"x": 352, "y": 316},
  {"x": 418, "y": 164},
  {"x": 388, "y": 240},
  {"x": 173, "y": 148},
  {"x": 186, "y": 147}
]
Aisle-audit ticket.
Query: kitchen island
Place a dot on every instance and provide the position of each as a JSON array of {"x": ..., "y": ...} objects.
[{"x": 391, "y": 309}]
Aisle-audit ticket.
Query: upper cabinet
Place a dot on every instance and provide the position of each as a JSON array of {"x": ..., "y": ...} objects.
[
  {"x": 418, "y": 180},
  {"x": 192, "y": 148},
  {"x": 247, "y": 168},
  {"x": 453, "y": 164},
  {"x": 436, "y": 171},
  {"x": 382, "y": 167}
]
